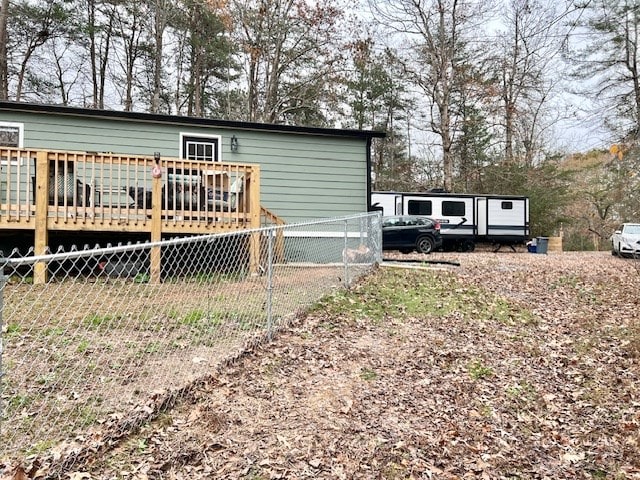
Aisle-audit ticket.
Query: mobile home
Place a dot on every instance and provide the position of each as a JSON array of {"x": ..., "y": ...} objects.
[
  {"x": 96, "y": 171},
  {"x": 465, "y": 219}
]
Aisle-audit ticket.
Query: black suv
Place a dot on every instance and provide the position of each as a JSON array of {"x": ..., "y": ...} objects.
[{"x": 409, "y": 232}]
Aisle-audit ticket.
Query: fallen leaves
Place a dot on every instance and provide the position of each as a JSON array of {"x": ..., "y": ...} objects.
[{"x": 437, "y": 392}]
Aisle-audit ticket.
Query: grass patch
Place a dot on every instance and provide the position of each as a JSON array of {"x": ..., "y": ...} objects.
[
  {"x": 142, "y": 278},
  {"x": 83, "y": 346},
  {"x": 13, "y": 329},
  {"x": 478, "y": 371},
  {"x": 523, "y": 393},
  {"x": 97, "y": 321},
  {"x": 403, "y": 293},
  {"x": 53, "y": 332},
  {"x": 41, "y": 447},
  {"x": 193, "y": 317},
  {"x": 565, "y": 281},
  {"x": 368, "y": 374},
  {"x": 17, "y": 402}
]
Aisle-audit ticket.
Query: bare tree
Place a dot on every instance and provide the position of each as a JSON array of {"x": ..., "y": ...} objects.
[
  {"x": 434, "y": 32},
  {"x": 201, "y": 29},
  {"x": 99, "y": 28},
  {"x": 31, "y": 27},
  {"x": 128, "y": 22},
  {"x": 160, "y": 14},
  {"x": 290, "y": 49},
  {"x": 529, "y": 46},
  {"x": 66, "y": 63},
  {"x": 610, "y": 60},
  {"x": 4, "y": 61}
]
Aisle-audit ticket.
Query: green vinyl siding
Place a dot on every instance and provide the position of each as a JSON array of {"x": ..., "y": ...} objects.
[
  {"x": 303, "y": 175},
  {"x": 22, "y": 169}
]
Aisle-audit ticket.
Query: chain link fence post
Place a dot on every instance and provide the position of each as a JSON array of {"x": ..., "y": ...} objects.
[
  {"x": 345, "y": 256},
  {"x": 3, "y": 282},
  {"x": 375, "y": 224},
  {"x": 270, "y": 283}
]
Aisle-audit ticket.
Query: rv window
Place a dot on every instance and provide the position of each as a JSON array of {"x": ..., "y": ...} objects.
[
  {"x": 420, "y": 207},
  {"x": 453, "y": 209},
  {"x": 507, "y": 205}
]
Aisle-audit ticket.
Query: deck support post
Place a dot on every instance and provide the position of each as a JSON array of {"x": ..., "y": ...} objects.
[
  {"x": 41, "y": 234},
  {"x": 156, "y": 228},
  {"x": 253, "y": 190}
]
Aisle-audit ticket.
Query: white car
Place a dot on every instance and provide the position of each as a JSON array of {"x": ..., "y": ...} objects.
[{"x": 626, "y": 240}]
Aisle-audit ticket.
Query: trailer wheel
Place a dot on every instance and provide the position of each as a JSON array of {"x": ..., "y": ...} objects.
[
  {"x": 468, "y": 246},
  {"x": 424, "y": 244}
]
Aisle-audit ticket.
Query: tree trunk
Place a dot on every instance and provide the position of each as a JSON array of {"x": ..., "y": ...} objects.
[
  {"x": 104, "y": 60},
  {"x": 160, "y": 23},
  {"x": 447, "y": 155},
  {"x": 91, "y": 20},
  {"x": 4, "y": 76}
]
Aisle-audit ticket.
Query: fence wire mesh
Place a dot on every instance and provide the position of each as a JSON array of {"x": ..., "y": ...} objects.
[{"x": 93, "y": 343}]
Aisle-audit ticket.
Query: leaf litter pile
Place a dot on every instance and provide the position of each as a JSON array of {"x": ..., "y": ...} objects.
[{"x": 511, "y": 365}]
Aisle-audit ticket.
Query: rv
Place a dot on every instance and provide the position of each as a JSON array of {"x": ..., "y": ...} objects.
[{"x": 465, "y": 219}]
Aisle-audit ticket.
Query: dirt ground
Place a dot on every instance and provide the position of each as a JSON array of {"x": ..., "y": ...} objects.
[{"x": 550, "y": 389}]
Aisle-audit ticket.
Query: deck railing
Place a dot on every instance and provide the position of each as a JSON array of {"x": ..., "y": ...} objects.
[
  {"x": 45, "y": 190},
  {"x": 91, "y": 191}
]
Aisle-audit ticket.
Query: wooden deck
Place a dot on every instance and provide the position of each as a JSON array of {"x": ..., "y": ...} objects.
[{"x": 45, "y": 191}]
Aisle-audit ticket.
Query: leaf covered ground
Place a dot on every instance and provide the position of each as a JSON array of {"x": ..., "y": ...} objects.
[{"x": 510, "y": 365}]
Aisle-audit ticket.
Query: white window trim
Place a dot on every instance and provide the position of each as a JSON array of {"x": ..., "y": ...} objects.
[
  {"x": 203, "y": 136},
  {"x": 20, "y": 127}
]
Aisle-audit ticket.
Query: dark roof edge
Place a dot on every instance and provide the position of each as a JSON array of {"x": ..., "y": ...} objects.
[{"x": 177, "y": 119}]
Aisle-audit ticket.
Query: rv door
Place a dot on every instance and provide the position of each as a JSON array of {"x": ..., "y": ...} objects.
[{"x": 481, "y": 212}]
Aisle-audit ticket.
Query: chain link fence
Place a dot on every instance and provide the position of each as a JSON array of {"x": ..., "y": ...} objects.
[{"x": 101, "y": 347}]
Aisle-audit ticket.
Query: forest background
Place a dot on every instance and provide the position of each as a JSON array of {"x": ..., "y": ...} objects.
[{"x": 526, "y": 97}]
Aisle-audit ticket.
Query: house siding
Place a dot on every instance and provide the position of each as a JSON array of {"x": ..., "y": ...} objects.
[{"x": 303, "y": 175}]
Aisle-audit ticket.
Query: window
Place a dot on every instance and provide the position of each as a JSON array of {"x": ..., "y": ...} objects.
[
  {"x": 200, "y": 148},
  {"x": 507, "y": 205},
  {"x": 11, "y": 135},
  {"x": 453, "y": 209},
  {"x": 390, "y": 222},
  {"x": 420, "y": 207}
]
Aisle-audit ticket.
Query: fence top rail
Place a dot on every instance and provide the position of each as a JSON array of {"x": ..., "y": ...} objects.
[{"x": 79, "y": 253}]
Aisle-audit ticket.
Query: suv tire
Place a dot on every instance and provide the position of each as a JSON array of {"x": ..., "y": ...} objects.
[{"x": 425, "y": 244}]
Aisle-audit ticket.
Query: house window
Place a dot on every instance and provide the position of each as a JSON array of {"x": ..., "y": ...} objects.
[
  {"x": 420, "y": 207},
  {"x": 453, "y": 209},
  {"x": 11, "y": 135},
  {"x": 200, "y": 148},
  {"x": 507, "y": 205}
]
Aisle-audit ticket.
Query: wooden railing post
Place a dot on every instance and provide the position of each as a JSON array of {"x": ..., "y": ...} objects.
[
  {"x": 155, "y": 260},
  {"x": 41, "y": 236},
  {"x": 253, "y": 190}
]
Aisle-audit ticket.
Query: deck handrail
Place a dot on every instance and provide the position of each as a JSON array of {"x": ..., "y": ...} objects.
[{"x": 49, "y": 190}]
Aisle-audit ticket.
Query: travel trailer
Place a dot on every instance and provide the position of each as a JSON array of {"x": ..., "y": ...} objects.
[{"x": 465, "y": 219}]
